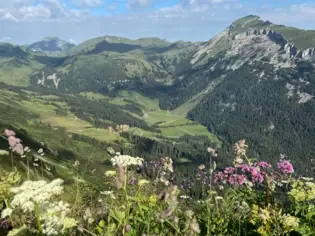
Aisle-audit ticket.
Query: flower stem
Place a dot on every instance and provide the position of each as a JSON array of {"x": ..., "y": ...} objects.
[{"x": 40, "y": 229}]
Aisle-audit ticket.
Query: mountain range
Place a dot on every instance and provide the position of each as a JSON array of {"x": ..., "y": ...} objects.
[{"x": 254, "y": 80}]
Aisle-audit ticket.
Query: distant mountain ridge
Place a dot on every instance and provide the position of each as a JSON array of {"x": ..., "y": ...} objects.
[{"x": 50, "y": 44}]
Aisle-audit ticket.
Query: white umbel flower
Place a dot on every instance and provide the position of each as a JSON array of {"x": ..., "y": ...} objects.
[
  {"x": 38, "y": 191},
  {"x": 6, "y": 212},
  {"x": 126, "y": 160},
  {"x": 55, "y": 218}
]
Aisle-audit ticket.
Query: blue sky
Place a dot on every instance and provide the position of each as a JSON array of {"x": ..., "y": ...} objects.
[{"x": 26, "y": 21}]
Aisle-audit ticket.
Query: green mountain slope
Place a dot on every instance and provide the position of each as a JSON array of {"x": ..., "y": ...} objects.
[{"x": 253, "y": 80}]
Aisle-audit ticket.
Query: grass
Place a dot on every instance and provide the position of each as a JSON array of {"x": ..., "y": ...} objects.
[
  {"x": 170, "y": 123},
  {"x": 302, "y": 39},
  {"x": 47, "y": 115}
]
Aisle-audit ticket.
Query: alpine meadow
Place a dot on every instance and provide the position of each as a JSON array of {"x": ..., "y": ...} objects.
[{"x": 118, "y": 136}]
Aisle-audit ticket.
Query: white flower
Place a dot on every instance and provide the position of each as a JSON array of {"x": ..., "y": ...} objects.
[
  {"x": 55, "y": 218},
  {"x": 108, "y": 193},
  {"x": 88, "y": 216},
  {"x": 6, "y": 212},
  {"x": 76, "y": 163},
  {"x": 40, "y": 151},
  {"x": 184, "y": 197},
  {"x": 4, "y": 153},
  {"x": 126, "y": 160},
  {"x": 38, "y": 191}
]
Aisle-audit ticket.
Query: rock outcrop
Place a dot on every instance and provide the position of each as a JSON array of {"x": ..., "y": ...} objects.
[{"x": 290, "y": 49}]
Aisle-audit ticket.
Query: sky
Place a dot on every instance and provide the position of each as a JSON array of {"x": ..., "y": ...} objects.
[{"x": 28, "y": 21}]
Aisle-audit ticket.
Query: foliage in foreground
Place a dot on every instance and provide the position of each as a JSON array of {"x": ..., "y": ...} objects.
[{"x": 140, "y": 198}]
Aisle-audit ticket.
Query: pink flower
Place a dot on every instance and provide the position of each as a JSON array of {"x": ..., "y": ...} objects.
[
  {"x": 13, "y": 141},
  {"x": 253, "y": 171},
  {"x": 18, "y": 148},
  {"x": 263, "y": 164},
  {"x": 237, "y": 179},
  {"x": 285, "y": 167},
  {"x": 229, "y": 170},
  {"x": 9, "y": 133},
  {"x": 218, "y": 177},
  {"x": 245, "y": 168},
  {"x": 258, "y": 178}
]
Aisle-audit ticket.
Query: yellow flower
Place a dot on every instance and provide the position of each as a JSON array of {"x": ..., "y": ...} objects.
[
  {"x": 152, "y": 199},
  {"x": 110, "y": 173},
  {"x": 143, "y": 182},
  {"x": 290, "y": 222}
]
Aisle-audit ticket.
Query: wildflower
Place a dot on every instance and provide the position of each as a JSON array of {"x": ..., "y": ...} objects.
[
  {"x": 290, "y": 222},
  {"x": 6, "y": 212},
  {"x": 184, "y": 197},
  {"x": 285, "y": 167},
  {"x": 38, "y": 191},
  {"x": 76, "y": 163},
  {"x": 88, "y": 216},
  {"x": 152, "y": 199},
  {"x": 110, "y": 173},
  {"x": 13, "y": 141},
  {"x": 55, "y": 220},
  {"x": 229, "y": 170},
  {"x": 201, "y": 167},
  {"x": 212, "y": 151},
  {"x": 263, "y": 164},
  {"x": 143, "y": 182},
  {"x": 8, "y": 133},
  {"x": 4, "y": 153},
  {"x": 191, "y": 223},
  {"x": 240, "y": 148},
  {"x": 108, "y": 193},
  {"x": 18, "y": 148},
  {"x": 40, "y": 151},
  {"x": 238, "y": 161},
  {"x": 126, "y": 160}
]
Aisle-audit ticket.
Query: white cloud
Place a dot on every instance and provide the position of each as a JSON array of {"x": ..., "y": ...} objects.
[
  {"x": 139, "y": 3},
  {"x": 294, "y": 14},
  {"x": 8, "y": 16},
  {"x": 46, "y": 10},
  {"x": 88, "y": 3},
  {"x": 37, "y": 12},
  {"x": 5, "y": 39},
  {"x": 112, "y": 7}
]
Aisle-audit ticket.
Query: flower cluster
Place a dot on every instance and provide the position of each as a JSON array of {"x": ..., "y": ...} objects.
[
  {"x": 241, "y": 174},
  {"x": 302, "y": 191},
  {"x": 15, "y": 143},
  {"x": 285, "y": 167},
  {"x": 110, "y": 173},
  {"x": 55, "y": 220},
  {"x": 38, "y": 191},
  {"x": 126, "y": 160}
]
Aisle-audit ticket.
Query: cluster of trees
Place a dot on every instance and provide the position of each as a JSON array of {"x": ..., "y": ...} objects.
[{"x": 260, "y": 110}]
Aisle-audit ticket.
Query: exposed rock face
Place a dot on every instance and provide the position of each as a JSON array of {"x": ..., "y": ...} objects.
[
  {"x": 289, "y": 48},
  {"x": 308, "y": 53}
]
